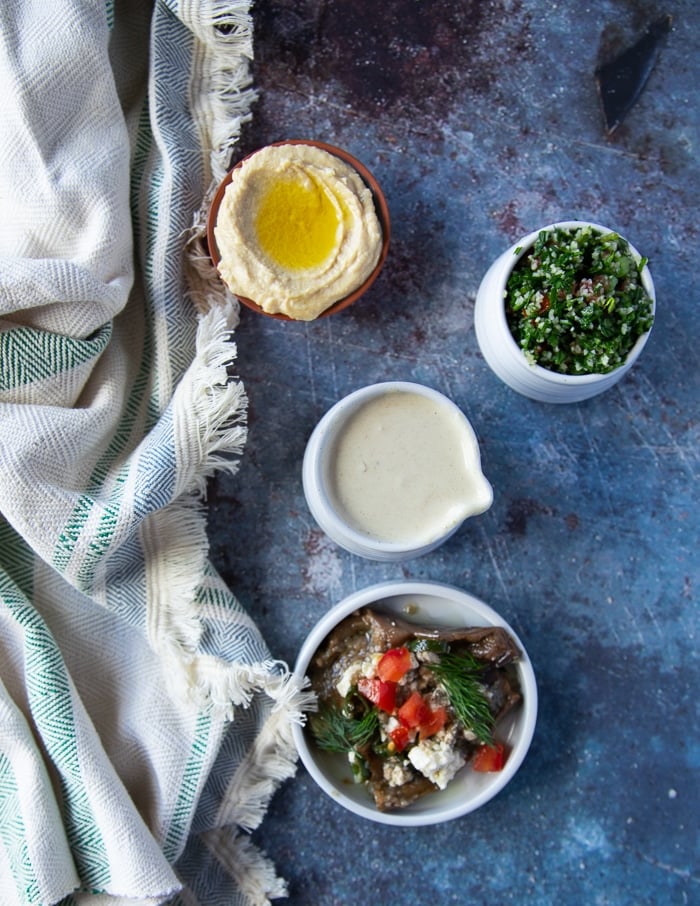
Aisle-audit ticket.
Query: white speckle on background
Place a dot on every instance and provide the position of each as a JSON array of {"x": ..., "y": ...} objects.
[
  {"x": 587, "y": 836},
  {"x": 324, "y": 570}
]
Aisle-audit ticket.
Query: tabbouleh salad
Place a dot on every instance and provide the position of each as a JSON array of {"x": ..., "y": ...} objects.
[{"x": 575, "y": 302}]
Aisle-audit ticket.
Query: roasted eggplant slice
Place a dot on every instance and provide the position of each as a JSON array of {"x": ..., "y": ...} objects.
[{"x": 410, "y": 705}]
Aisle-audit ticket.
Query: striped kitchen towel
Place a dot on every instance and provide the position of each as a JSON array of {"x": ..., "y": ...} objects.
[{"x": 144, "y": 724}]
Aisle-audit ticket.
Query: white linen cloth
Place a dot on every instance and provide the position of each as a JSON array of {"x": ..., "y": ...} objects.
[{"x": 143, "y": 722}]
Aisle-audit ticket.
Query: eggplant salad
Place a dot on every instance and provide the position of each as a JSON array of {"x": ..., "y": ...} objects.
[{"x": 410, "y": 706}]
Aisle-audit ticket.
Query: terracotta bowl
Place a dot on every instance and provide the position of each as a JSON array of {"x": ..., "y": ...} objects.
[{"x": 380, "y": 205}]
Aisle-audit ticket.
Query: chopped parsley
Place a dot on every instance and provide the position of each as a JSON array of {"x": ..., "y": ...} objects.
[{"x": 575, "y": 303}]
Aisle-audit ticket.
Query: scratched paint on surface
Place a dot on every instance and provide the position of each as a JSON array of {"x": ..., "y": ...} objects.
[{"x": 323, "y": 570}]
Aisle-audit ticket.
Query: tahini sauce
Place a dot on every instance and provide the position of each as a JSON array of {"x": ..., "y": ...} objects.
[{"x": 405, "y": 469}]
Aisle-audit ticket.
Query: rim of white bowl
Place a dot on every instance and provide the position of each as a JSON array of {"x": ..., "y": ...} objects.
[
  {"x": 555, "y": 377},
  {"x": 319, "y": 499},
  {"x": 479, "y": 614}
]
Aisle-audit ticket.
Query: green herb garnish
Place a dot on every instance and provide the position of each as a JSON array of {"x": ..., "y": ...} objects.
[
  {"x": 335, "y": 731},
  {"x": 422, "y": 643},
  {"x": 575, "y": 303},
  {"x": 459, "y": 674}
]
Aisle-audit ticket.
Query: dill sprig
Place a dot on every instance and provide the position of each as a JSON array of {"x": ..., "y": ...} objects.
[
  {"x": 335, "y": 731},
  {"x": 459, "y": 674}
]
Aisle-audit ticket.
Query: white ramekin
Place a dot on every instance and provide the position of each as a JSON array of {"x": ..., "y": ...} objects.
[
  {"x": 503, "y": 354},
  {"x": 317, "y": 470},
  {"x": 427, "y": 604}
]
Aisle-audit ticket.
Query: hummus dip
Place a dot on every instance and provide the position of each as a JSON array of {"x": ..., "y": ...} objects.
[{"x": 296, "y": 231}]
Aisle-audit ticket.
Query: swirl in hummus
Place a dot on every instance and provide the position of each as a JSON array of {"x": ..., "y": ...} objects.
[{"x": 297, "y": 230}]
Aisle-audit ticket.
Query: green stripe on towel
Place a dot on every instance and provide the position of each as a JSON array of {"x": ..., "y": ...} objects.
[
  {"x": 30, "y": 355},
  {"x": 51, "y": 703}
]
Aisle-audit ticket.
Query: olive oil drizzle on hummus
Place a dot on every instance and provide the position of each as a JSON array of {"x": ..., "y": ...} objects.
[{"x": 297, "y": 222}]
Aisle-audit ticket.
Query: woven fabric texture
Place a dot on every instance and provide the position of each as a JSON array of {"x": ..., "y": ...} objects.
[{"x": 143, "y": 722}]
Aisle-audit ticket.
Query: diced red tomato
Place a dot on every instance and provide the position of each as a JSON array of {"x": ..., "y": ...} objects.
[
  {"x": 438, "y": 718},
  {"x": 416, "y": 714},
  {"x": 380, "y": 693},
  {"x": 400, "y": 736},
  {"x": 394, "y": 664},
  {"x": 414, "y": 711},
  {"x": 490, "y": 758}
]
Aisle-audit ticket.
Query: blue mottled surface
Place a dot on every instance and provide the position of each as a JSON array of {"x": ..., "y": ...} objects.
[{"x": 482, "y": 123}]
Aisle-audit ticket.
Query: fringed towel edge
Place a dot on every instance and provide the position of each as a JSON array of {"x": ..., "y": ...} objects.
[
  {"x": 209, "y": 410},
  {"x": 251, "y": 869},
  {"x": 222, "y": 98}
]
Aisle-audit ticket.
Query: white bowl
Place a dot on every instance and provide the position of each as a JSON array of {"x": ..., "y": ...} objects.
[
  {"x": 474, "y": 496},
  {"x": 428, "y": 604},
  {"x": 502, "y": 352}
]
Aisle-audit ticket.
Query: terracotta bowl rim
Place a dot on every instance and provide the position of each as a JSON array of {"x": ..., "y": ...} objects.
[{"x": 380, "y": 205}]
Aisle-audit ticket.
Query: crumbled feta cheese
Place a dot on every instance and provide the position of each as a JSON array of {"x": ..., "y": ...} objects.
[
  {"x": 349, "y": 678},
  {"x": 436, "y": 759},
  {"x": 351, "y": 674},
  {"x": 369, "y": 665},
  {"x": 396, "y": 772},
  {"x": 390, "y": 724},
  {"x": 426, "y": 657}
]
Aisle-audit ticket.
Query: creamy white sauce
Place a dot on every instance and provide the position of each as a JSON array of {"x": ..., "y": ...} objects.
[{"x": 406, "y": 469}]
